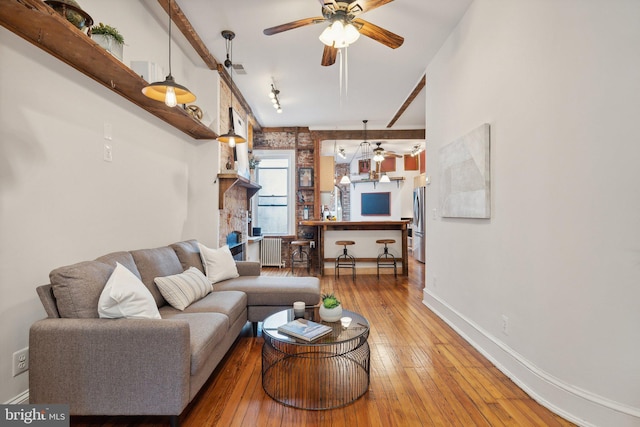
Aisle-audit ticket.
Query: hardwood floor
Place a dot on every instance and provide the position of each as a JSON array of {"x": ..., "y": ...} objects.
[{"x": 422, "y": 373}]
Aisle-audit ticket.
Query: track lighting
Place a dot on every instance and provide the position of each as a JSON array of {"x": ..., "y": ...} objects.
[
  {"x": 417, "y": 149},
  {"x": 273, "y": 95}
]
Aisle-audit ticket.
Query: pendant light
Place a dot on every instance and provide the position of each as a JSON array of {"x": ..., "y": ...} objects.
[
  {"x": 168, "y": 91},
  {"x": 230, "y": 137}
]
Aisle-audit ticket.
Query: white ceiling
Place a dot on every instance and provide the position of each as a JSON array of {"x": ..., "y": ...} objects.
[{"x": 379, "y": 78}]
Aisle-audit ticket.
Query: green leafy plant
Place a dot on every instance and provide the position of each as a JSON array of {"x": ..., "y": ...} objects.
[
  {"x": 330, "y": 301},
  {"x": 108, "y": 30}
]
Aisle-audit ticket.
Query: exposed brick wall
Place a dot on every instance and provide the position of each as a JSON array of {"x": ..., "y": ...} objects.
[
  {"x": 341, "y": 170},
  {"x": 234, "y": 215}
]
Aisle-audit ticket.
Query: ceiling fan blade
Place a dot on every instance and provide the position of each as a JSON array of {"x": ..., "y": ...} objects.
[
  {"x": 291, "y": 25},
  {"x": 329, "y": 55},
  {"x": 360, "y": 6},
  {"x": 379, "y": 34}
]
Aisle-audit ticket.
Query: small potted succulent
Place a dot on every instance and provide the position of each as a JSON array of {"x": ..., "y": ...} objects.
[
  {"x": 109, "y": 38},
  {"x": 330, "y": 308}
]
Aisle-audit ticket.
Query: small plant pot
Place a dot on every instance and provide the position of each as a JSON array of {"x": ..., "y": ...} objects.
[
  {"x": 330, "y": 314},
  {"x": 109, "y": 44}
]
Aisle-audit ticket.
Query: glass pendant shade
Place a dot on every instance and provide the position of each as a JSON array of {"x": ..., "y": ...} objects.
[
  {"x": 378, "y": 157},
  {"x": 385, "y": 178},
  {"x": 345, "y": 180},
  {"x": 169, "y": 92},
  {"x": 339, "y": 35}
]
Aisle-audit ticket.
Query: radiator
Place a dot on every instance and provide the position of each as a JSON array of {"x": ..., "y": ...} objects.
[{"x": 271, "y": 252}]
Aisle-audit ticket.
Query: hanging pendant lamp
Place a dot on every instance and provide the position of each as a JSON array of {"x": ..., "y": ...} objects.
[
  {"x": 168, "y": 91},
  {"x": 230, "y": 137}
]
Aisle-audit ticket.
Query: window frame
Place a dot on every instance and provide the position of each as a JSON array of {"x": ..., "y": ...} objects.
[{"x": 290, "y": 155}]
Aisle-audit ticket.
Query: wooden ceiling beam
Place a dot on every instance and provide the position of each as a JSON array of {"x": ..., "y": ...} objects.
[
  {"x": 416, "y": 90},
  {"x": 371, "y": 134},
  {"x": 189, "y": 32}
]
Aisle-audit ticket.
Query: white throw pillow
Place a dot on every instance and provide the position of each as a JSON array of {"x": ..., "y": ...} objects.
[
  {"x": 125, "y": 295},
  {"x": 182, "y": 289},
  {"x": 218, "y": 264}
]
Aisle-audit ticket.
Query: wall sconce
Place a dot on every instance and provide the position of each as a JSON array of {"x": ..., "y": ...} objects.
[{"x": 274, "y": 98}]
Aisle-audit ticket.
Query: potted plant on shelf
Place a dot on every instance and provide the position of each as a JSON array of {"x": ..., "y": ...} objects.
[
  {"x": 109, "y": 38},
  {"x": 330, "y": 308}
]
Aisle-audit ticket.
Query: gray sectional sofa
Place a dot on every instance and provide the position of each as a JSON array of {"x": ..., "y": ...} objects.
[{"x": 144, "y": 366}]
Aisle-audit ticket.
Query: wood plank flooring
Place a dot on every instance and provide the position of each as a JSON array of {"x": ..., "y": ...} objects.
[{"x": 422, "y": 373}]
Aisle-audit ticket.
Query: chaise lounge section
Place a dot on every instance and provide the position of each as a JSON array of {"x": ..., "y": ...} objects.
[{"x": 145, "y": 366}]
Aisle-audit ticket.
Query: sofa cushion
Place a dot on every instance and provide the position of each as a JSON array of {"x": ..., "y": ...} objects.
[
  {"x": 182, "y": 289},
  {"x": 77, "y": 288},
  {"x": 218, "y": 263},
  {"x": 189, "y": 254},
  {"x": 158, "y": 262},
  {"x": 231, "y": 303},
  {"x": 125, "y": 296},
  {"x": 123, "y": 258},
  {"x": 206, "y": 331},
  {"x": 273, "y": 290}
]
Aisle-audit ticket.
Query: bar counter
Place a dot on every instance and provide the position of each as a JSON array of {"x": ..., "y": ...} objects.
[{"x": 323, "y": 227}]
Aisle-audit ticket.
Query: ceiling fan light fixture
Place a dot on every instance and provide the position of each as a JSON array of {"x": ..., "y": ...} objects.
[
  {"x": 378, "y": 157},
  {"x": 339, "y": 34}
]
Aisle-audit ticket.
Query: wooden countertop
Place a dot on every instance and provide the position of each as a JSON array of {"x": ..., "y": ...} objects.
[{"x": 315, "y": 222}]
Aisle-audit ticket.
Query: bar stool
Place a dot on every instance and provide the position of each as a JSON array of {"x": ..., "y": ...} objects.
[
  {"x": 385, "y": 259},
  {"x": 300, "y": 255},
  {"x": 345, "y": 260}
]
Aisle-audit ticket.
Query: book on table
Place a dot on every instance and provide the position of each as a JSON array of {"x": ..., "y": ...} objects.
[{"x": 305, "y": 329}]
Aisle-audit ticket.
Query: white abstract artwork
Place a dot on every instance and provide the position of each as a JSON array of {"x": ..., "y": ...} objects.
[{"x": 465, "y": 180}]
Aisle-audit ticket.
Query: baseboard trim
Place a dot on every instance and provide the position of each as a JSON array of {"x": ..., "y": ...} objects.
[
  {"x": 572, "y": 403},
  {"x": 21, "y": 399}
]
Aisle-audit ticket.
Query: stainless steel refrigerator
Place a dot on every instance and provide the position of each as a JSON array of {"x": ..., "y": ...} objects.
[{"x": 419, "y": 223}]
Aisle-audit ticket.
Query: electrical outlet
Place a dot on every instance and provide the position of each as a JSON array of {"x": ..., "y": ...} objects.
[
  {"x": 505, "y": 325},
  {"x": 20, "y": 361},
  {"x": 312, "y": 244}
]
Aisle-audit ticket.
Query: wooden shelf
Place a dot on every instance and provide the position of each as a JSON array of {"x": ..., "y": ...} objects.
[
  {"x": 228, "y": 180},
  {"x": 375, "y": 182},
  {"x": 40, "y": 25}
]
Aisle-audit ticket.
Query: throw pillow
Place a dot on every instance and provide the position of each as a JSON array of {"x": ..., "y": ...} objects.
[
  {"x": 218, "y": 264},
  {"x": 126, "y": 296},
  {"x": 180, "y": 290}
]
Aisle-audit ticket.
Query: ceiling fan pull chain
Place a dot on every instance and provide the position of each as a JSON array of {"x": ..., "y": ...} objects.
[{"x": 340, "y": 87}]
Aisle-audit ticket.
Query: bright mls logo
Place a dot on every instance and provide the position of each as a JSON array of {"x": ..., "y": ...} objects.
[{"x": 34, "y": 415}]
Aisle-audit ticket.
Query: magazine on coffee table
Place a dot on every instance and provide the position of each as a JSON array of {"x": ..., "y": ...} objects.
[{"x": 305, "y": 329}]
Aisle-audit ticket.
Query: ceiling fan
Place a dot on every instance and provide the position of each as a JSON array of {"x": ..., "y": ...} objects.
[
  {"x": 344, "y": 14},
  {"x": 379, "y": 153}
]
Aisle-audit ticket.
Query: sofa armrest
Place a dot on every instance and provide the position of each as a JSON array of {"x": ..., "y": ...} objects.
[
  {"x": 111, "y": 366},
  {"x": 248, "y": 268}
]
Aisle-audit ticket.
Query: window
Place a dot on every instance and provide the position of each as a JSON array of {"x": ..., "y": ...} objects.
[{"x": 275, "y": 209}]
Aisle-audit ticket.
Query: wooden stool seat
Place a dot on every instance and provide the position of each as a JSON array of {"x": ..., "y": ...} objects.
[
  {"x": 386, "y": 241},
  {"x": 300, "y": 255},
  {"x": 345, "y": 260},
  {"x": 385, "y": 259}
]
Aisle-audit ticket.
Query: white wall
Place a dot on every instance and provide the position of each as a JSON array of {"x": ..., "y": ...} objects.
[
  {"x": 60, "y": 203},
  {"x": 401, "y": 194},
  {"x": 560, "y": 257}
]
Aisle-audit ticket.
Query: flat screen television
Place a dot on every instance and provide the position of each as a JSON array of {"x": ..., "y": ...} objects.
[{"x": 375, "y": 204}]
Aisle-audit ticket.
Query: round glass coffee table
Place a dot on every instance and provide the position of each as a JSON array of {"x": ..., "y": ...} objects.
[{"x": 329, "y": 372}]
